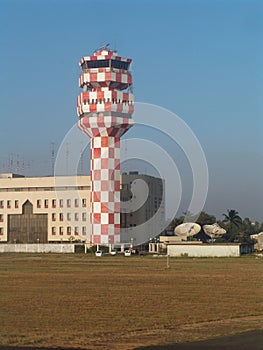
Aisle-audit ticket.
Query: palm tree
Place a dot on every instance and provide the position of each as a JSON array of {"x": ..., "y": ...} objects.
[{"x": 233, "y": 220}]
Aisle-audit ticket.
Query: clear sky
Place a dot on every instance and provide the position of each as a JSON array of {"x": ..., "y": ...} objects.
[{"x": 201, "y": 59}]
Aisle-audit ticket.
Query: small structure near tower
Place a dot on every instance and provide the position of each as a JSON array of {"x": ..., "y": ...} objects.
[{"x": 105, "y": 110}]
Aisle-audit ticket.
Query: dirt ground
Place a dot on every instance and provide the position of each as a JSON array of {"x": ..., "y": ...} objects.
[{"x": 117, "y": 303}]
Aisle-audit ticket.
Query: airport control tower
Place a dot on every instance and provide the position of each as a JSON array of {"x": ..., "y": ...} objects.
[{"x": 105, "y": 108}]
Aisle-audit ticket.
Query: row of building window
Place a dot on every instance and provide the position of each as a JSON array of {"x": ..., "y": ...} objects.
[
  {"x": 9, "y": 203},
  {"x": 68, "y": 216},
  {"x": 60, "y": 217},
  {"x": 123, "y": 65},
  {"x": 45, "y": 203},
  {"x": 68, "y": 203},
  {"x": 100, "y": 101},
  {"x": 69, "y": 230},
  {"x": 39, "y": 189}
]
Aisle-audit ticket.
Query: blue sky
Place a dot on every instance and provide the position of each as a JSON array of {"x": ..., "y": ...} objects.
[{"x": 201, "y": 59}]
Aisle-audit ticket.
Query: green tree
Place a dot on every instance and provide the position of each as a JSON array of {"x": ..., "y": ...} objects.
[
  {"x": 206, "y": 219},
  {"x": 233, "y": 223}
]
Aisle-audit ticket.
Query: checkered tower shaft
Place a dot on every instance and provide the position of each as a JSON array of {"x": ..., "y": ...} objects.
[{"x": 105, "y": 111}]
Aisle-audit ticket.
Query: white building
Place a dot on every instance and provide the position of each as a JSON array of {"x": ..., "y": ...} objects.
[
  {"x": 57, "y": 209},
  {"x": 199, "y": 249},
  {"x": 44, "y": 209}
]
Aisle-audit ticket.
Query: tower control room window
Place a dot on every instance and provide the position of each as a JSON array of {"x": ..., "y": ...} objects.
[
  {"x": 96, "y": 64},
  {"x": 120, "y": 64}
]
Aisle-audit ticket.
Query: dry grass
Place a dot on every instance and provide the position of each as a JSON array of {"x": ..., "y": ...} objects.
[{"x": 120, "y": 303}]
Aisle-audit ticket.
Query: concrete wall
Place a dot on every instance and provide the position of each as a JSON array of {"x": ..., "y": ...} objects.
[
  {"x": 203, "y": 250},
  {"x": 259, "y": 239},
  {"x": 36, "y": 248}
]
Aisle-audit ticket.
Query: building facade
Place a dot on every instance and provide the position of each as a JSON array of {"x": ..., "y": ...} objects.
[
  {"x": 149, "y": 193},
  {"x": 199, "y": 249},
  {"x": 57, "y": 209},
  {"x": 43, "y": 209}
]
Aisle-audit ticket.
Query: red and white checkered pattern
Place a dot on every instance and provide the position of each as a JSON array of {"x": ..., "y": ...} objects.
[
  {"x": 105, "y": 77},
  {"x": 104, "y": 55},
  {"x": 105, "y": 115},
  {"x": 105, "y": 190},
  {"x": 105, "y": 126},
  {"x": 105, "y": 100}
]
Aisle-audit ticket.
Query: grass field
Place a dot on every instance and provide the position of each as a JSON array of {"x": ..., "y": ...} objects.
[{"x": 125, "y": 302}]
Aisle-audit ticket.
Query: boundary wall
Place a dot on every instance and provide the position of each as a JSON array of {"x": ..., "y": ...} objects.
[{"x": 37, "y": 248}]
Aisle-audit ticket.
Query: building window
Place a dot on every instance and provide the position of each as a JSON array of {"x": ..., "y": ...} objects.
[
  {"x": 46, "y": 203},
  {"x": 61, "y": 203},
  {"x": 84, "y": 230},
  {"x": 53, "y": 217},
  {"x": 61, "y": 217},
  {"x": 16, "y": 204},
  {"x": 61, "y": 230},
  {"x": 1, "y": 217},
  {"x": 69, "y": 230},
  {"x": 76, "y": 231},
  {"x": 38, "y": 203},
  {"x": 68, "y": 203},
  {"x": 84, "y": 202},
  {"x": 1, "y": 231},
  {"x": 1, "y": 204},
  {"x": 76, "y": 203},
  {"x": 76, "y": 216},
  {"x": 68, "y": 216},
  {"x": 53, "y": 203},
  {"x": 8, "y": 204},
  {"x": 84, "y": 216},
  {"x": 53, "y": 230}
]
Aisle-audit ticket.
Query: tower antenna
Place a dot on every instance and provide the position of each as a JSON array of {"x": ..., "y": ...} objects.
[
  {"x": 67, "y": 157},
  {"x": 103, "y": 47},
  {"x": 52, "y": 145},
  {"x": 17, "y": 164}
]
